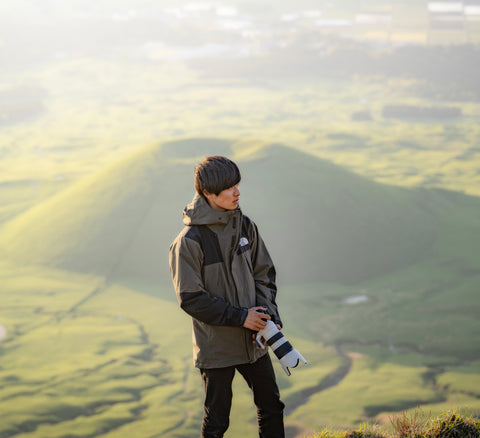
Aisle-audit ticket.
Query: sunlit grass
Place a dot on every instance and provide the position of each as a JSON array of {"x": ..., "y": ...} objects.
[
  {"x": 368, "y": 389},
  {"x": 120, "y": 362},
  {"x": 464, "y": 379}
]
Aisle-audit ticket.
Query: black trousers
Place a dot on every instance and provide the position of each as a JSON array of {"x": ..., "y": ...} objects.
[{"x": 260, "y": 377}]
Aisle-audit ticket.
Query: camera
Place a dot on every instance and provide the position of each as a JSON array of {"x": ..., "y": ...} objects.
[{"x": 286, "y": 354}]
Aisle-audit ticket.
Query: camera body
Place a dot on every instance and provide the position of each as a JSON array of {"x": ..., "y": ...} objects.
[{"x": 286, "y": 354}]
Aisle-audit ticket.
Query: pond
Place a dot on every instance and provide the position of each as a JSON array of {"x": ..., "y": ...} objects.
[{"x": 357, "y": 299}]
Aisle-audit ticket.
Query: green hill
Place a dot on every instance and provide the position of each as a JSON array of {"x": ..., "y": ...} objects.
[
  {"x": 123, "y": 359},
  {"x": 321, "y": 222}
]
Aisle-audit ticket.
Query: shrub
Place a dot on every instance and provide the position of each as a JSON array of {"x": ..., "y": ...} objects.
[
  {"x": 448, "y": 425},
  {"x": 454, "y": 426},
  {"x": 417, "y": 425},
  {"x": 410, "y": 427}
]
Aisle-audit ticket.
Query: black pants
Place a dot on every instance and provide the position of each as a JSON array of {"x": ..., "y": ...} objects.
[{"x": 260, "y": 377}]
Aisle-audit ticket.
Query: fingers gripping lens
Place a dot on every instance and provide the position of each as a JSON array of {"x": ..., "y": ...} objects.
[{"x": 286, "y": 354}]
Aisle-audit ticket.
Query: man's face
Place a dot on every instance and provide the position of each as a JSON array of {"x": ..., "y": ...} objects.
[{"x": 226, "y": 200}]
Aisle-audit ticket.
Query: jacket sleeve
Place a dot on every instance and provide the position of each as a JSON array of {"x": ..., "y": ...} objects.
[
  {"x": 264, "y": 274},
  {"x": 186, "y": 260}
]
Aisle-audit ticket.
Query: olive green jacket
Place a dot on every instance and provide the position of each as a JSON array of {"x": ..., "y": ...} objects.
[{"x": 220, "y": 268}]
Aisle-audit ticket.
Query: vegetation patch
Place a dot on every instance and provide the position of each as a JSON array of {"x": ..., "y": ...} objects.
[{"x": 418, "y": 425}]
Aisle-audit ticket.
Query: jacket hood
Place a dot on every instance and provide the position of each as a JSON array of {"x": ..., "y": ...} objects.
[{"x": 198, "y": 212}]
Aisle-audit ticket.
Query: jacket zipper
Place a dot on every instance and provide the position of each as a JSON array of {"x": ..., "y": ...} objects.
[{"x": 234, "y": 244}]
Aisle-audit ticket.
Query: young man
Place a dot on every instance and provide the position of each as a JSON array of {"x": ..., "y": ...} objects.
[{"x": 225, "y": 280}]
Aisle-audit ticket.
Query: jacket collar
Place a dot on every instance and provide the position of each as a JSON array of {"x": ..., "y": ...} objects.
[{"x": 199, "y": 212}]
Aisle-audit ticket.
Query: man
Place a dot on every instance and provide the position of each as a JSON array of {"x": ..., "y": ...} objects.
[{"x": 225, "y": 280}]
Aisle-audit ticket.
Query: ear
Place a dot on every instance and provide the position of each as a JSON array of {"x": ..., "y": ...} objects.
[{"x": 207, "y": 195}]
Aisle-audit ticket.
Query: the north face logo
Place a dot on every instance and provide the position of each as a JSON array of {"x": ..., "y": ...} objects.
[{"x": 243, "y": 245}]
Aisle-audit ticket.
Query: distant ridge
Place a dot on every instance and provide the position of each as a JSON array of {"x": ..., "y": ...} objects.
[{"x": 320, "y": 221}]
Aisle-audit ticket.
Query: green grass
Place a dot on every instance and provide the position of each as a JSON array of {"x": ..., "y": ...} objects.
[
  {"x": 416, "y": 425},
  {"x": 121, "y": 362},
  {"x": 369, "y": 389},
  {"x": 88, "y": 370},
  {"x": 464, "y": 380}
]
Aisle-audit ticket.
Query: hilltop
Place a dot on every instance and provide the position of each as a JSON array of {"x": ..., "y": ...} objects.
[
  {"x": 410, "y": 254},
  {"x": 320, "y": 221}
]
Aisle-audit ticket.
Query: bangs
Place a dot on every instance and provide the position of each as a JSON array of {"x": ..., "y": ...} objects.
[
  {"x": 224, "y": 177},
  {"x": 215, "y": 174}
]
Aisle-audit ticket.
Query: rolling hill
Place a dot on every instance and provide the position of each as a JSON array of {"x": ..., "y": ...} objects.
[
  {"x": 122, "y": 357},
  {"x": 320, "y": 221}
]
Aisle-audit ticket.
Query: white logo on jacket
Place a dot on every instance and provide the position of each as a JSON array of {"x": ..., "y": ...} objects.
[{"x": 243, "y": 241}]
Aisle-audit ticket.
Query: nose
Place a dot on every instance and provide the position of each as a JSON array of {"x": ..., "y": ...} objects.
[{"x": 236, "y": 191}]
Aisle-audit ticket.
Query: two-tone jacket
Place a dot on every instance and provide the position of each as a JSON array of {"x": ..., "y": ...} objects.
[{"x": 220, "y": 268}]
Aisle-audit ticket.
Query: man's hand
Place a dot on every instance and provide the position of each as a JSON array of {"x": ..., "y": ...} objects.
[
  {"x": 262, "y": 339},
  {"x": 256, "y": 319}
]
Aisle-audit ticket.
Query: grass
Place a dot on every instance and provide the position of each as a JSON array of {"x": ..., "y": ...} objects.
[
  {"x": 463, "y": 379},
  {"x": 450, "y": 424},
  {"x": 114, "y": 365},
  {"x": 117, "y": 365},
  {"x": 369, "y": 389},
  {"x": 417, "y": 425},
  {"x": 88, "y": 370},
  {"x": 409, "y": 310}
]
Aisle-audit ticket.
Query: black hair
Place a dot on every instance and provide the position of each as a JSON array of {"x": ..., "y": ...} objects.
[{"x": 215, "y": 174}]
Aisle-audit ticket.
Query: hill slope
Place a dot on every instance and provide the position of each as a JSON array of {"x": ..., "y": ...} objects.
[{"x": 320, "y": 222}]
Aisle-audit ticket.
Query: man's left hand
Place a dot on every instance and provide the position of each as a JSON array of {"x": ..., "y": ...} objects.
[{"x": 262, "y": 339}]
